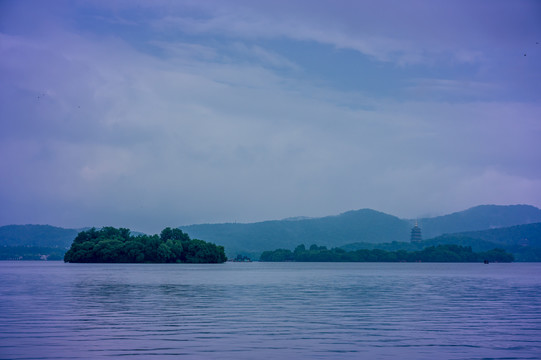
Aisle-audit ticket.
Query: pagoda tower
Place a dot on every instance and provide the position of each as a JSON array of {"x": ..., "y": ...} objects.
[{"x": 416, "y": 234}]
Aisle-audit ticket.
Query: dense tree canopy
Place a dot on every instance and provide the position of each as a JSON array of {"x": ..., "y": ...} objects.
[
  {"x": 440, "y": 253},
  {"x": 111, "y": 245}
]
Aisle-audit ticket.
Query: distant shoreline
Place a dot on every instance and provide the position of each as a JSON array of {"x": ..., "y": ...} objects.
[{"x": 432, "y": 254}]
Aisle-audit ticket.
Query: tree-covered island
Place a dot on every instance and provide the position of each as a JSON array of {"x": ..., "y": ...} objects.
[
  {"x": 440, "y": 253},
  {"x": 111, "y": 245}
]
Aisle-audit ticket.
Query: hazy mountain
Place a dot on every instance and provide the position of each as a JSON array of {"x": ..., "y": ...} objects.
[
  {"x": 480, "y": 218},
  {"x": 36, "y": 235},
  {"x": 365, "y": 226},
  {"x": 523, "y": 241},
  {"x": 519, "y": 235},
  {"x": 360, "y": 225}
]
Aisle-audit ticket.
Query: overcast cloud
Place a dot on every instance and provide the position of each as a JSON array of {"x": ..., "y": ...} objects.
[{"x": 152, "y": 114}]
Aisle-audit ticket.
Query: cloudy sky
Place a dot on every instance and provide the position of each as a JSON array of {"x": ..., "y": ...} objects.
[{"x": 146, "y": 114}]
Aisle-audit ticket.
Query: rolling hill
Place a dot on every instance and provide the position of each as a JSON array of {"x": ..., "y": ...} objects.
[
  {"x": 366, "y": 226},
  {"x": 480, "y": 218},
  {"x": 361, "y": 225},
  {"x": 37, "y": 235},
  {"x": 518, "y": 235},
  {"x": 358, "y": 226}
]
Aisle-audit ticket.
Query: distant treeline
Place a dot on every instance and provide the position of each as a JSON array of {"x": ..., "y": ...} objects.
[
  {"x": 111, "y": 245},
  {"x": 31, "y": 253},
  {"x": 440, "y": 253},
  {"x": 524, "y": 243}
]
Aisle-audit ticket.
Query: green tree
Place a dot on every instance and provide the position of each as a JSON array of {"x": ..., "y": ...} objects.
[
  {"x": 109, "y": 250},
  {"x": 165, "y": 254},
  {"x": 173, "y": 234},
  {"x": 176, "y": 248},
  {"x": 134, "y": 251}
]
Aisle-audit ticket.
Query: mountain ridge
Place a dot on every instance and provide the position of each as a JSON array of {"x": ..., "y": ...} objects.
[
  {"x": 353, "y": 226},
  {"x": 478, "y": 218},
  {"x": 375, "y": 227}
]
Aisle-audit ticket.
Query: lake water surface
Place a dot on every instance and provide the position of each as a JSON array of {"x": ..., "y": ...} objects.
[{"x": 52, "y": 310}]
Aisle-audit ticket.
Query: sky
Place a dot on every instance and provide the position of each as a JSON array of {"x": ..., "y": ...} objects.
[{"x": 148, "y": 114}]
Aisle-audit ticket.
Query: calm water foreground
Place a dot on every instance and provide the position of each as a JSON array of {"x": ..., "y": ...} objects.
[{"x": 52, "y": 310}]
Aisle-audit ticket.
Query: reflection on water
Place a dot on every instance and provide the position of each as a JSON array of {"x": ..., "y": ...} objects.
[{"x": 265, "y": 310}]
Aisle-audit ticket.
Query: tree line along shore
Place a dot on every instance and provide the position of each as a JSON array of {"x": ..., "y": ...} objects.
[{"x": 440, "y": 253}]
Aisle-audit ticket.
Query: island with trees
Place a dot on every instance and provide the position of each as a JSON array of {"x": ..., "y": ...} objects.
[
  {"x": 112, "y": 245},
  {"x": 440, "y": 253}
]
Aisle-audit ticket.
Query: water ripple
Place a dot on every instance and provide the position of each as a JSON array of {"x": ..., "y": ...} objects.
[{"x": 271, "y": 311}]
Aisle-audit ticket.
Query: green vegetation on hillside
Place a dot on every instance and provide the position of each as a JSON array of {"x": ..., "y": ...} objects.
[
  {"x": 111, "y": 245},
  {"x": 440, "y": 253}
]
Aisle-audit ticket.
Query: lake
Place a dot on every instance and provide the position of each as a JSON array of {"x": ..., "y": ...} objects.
[{"x": 52, "y": 310}]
